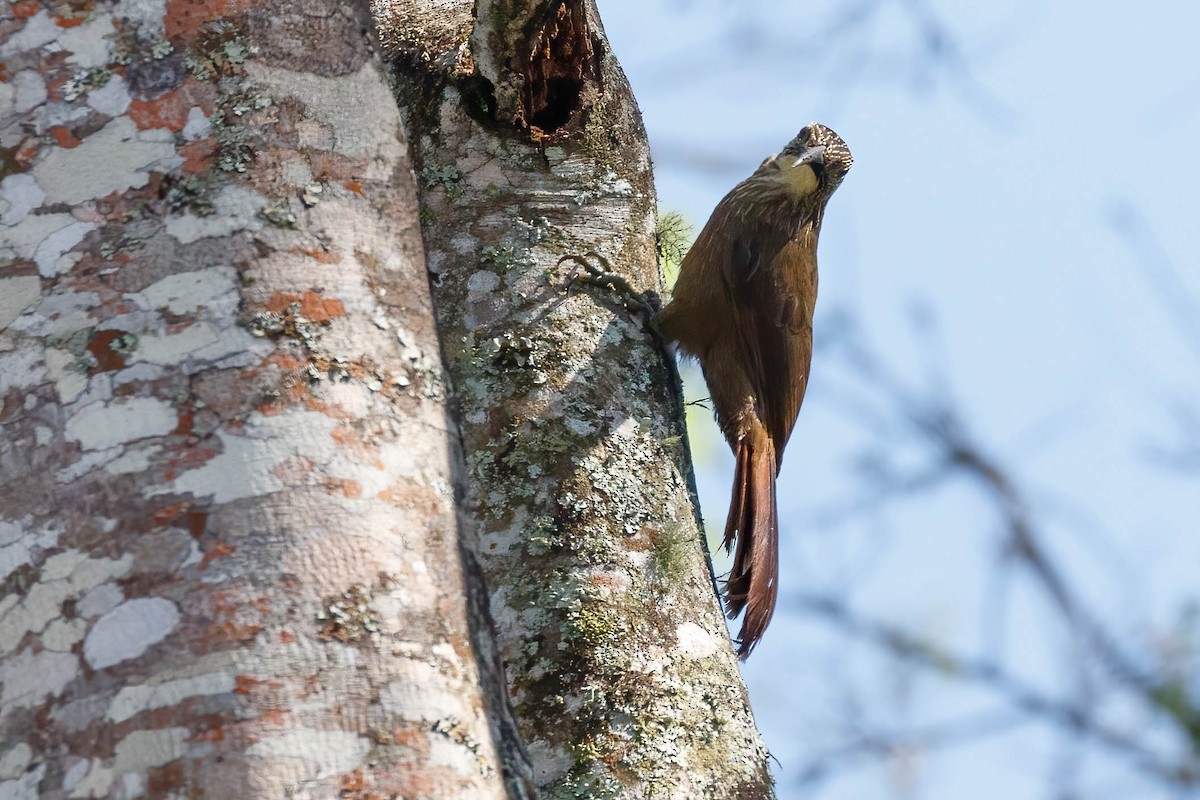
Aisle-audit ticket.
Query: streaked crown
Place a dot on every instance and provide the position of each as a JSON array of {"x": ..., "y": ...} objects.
[{"x": 834, "y": 161}]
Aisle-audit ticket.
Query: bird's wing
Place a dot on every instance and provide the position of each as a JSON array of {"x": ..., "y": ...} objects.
[{"x": 772, "y": 281}]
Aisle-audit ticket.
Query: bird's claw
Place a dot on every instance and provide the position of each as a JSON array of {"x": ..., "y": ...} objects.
[{"x": 605, "y": 277}]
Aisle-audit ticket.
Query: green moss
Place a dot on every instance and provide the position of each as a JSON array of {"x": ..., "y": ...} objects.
[
  {"x": 672, "y": 238},
  {"x": 672, "y": 554}
]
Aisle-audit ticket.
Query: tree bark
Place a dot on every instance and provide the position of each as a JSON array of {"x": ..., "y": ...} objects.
[
  {"x": 228, "y": 532},
  {"x": 529, "y": 147},
  {"x": 245, "y": 550}
]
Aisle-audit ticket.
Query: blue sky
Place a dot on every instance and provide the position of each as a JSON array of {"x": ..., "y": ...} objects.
[{"x": 990, "y": 189}]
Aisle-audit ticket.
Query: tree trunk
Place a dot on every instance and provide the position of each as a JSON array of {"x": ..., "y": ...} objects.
[
  {"x": 529, "y": 147},
  {"x": 228, "y": 525},
  {"x": 232, "y": 539}
]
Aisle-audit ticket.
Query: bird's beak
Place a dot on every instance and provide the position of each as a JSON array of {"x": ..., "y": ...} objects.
[{"x": 812, "y": 155}]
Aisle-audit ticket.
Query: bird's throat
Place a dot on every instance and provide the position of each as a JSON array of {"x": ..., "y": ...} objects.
[{"x": 801, "y": 181}]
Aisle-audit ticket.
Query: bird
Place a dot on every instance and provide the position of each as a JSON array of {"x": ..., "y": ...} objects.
[{"x": 743, "y": 306}]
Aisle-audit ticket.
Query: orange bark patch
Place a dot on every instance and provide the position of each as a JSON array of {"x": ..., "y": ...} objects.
[
  {"x": 170, "y": 110},
  {"x": 100, "y": 346},
  {"x": 197, "y": 522},
  {"x": 25, "y": 8},
  {"x": 168, "y": 513},
  {"x": 183, "y": 17},
  {"x": 25, "y": 152},
  {"x": 416, "y": 738},
  {"x": 287, "y": 637},
  {"x": 197, "y": 156},
  {"x": 211, "y": 735},
  {"x": 67, "y": 22},
  {"x": 354, "y": 186},
  {"x": 345, "y": 486},
  {"x": 165, "y": 780},
  {"x": 353, "y": 782},
  {"x": 344, "y": 435},
  {"x": 286, "y": 361},
  {"x": 272, "y": 716},
  {"x": 189, "y": 460},
  {"x": 243, "y": 684},
  {"x": 239, "y": 631},
  {"x": 312, "y": 305},
  {"x": 318, "y": 253},
  {"x": 63, "y": 136},
  {"x": 219, "y": 550}
]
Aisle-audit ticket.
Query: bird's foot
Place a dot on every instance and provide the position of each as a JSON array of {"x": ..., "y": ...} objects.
[{"x": 603, "y": 275}]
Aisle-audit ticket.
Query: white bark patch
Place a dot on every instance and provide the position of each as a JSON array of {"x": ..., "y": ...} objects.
[
  {"x": 97, "y": 783},
  {"x": 129, "y": 630},
  {"x": 30, "y": 678},
  {"x": 89, "y": 44},
  {"x": 62, "y": 634},
  {"x": 15, "y": 760},
  {"x": 133, "y": 700},
  {"x": 235, "y": 208},
  {"x": 313, "y": 754},
  {"x": 338, "y": 103},
  {"x": 100, "y": 600},
  {"x": 69, "y": 382},
  {"x": 454, "y": 755},
  {"x": 111, "y": 99},
  {"x": 482, "y": 282},
  {"x": 694, "y": 641},
  {"x": 76, "y": 769},
  {"x": 254, "y": 463},
  {"x": 30, "y": 91},
  {"x": 187, "y": 291},
  {"x": 202, "y": 342},
  {"x": 131, "y": 461},
  {"x": 21, "y": 368},
  {"x": 49, "y": 253},
  {"x": 24, "y": 787},
  {"x": 243, "y": 469},
  {"x": 113, "y": 159},
  {"x": 16, "y": 295},
  {"x": 59, "y": 312},
  {"x": 141, "y": 750},
  {"x": 417, "y": 696},
  {"x": 63, "y": 576},
  {"x": 23, "y": 238},
  {"x": 19, "y": 194},
  {"x": 100, "y": 426},
  {"x": 197, "y": 126},
  {"x": 39, "y": 30}
]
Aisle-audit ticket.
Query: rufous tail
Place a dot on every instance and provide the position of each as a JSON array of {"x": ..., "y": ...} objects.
[{"x": 754, "y": 525}]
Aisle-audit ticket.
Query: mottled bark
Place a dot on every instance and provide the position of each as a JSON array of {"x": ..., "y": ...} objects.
[
  {"x": 529, "y": 147},
  {"x": 228, "y": 540}
]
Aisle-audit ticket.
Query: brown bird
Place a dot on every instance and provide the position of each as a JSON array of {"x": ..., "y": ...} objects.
[{"x": 743, "y": 306}]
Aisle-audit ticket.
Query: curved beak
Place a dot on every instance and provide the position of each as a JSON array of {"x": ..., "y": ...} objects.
[{"x": 812, "y": 155}]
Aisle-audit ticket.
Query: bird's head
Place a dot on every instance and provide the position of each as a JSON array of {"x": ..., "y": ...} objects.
[{"x": 813, "y": 164}]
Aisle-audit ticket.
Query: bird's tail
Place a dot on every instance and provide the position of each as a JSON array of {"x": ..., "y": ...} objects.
[{"x": 754, "y": 524}]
